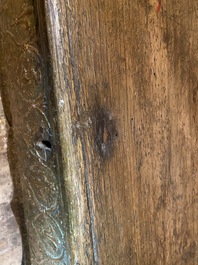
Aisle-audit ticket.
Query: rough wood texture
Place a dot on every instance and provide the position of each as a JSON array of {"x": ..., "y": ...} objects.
[
  {"x": 126, "y": 85},
  {"x": 33, "y": 141},
  {"x": 123, "y": 129}
]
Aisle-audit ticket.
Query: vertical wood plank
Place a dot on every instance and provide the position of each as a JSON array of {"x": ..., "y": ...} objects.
[{"x": 126, "y": 71}]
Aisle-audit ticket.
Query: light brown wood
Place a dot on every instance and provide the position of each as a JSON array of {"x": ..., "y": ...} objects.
[{"x": 127, "y": 74}]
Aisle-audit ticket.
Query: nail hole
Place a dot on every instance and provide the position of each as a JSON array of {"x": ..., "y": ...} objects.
[{"x": 47, "y": 144}]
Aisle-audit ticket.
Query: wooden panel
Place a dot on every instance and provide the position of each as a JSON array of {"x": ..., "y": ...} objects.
[
  {"x": 33, "y": 142},
  {"x": 127, "y": 74},
  {"x": 115, "y": 99}
]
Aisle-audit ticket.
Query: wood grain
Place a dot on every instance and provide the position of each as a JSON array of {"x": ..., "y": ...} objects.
[
  {"x": 32, "y": 137},
  {"x": 113, "y": 92},
  {"x": 125, "y": 76}
]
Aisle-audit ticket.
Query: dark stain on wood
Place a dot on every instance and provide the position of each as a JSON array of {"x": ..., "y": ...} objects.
[{"x": 105, "y": 132}]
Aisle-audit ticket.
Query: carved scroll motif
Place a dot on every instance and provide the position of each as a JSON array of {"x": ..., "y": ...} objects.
[{"x": 21, "y": 67}]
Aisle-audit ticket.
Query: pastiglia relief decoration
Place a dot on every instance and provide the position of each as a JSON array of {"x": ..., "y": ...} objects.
[{"x": 27, "y": 87}]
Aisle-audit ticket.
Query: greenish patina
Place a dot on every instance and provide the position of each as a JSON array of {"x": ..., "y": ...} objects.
[{"x": 30, "y": 110}]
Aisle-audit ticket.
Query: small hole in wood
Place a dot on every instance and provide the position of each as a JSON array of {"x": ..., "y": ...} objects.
[{"x": 47, "y": 144}]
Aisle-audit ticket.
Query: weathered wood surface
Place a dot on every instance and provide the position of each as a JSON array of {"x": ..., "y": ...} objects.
[
  {"x": 124, "y": 129},
  {"x": 127, "y": 74},
  {"x": 33, "y": 142}
]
